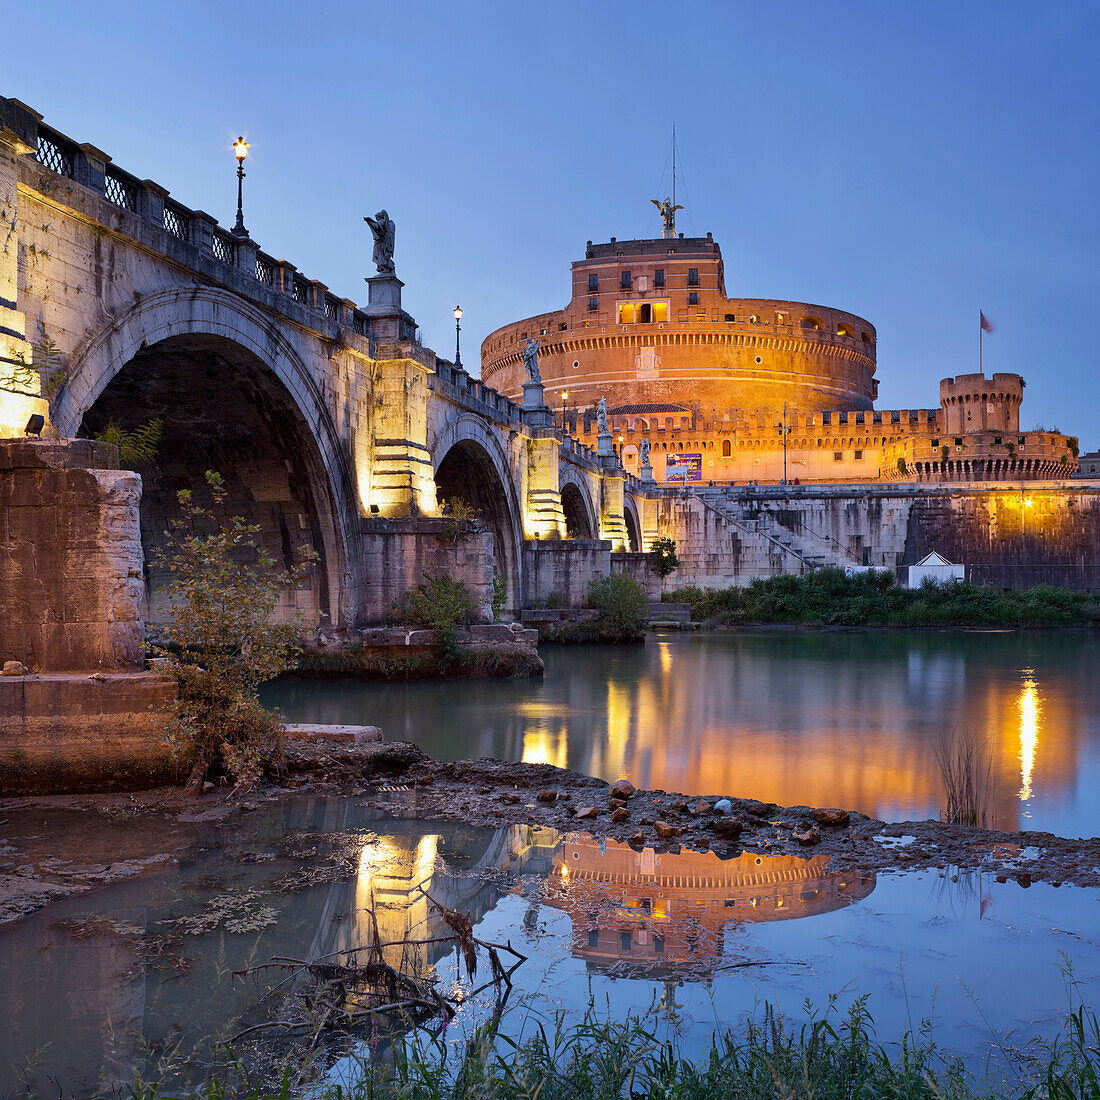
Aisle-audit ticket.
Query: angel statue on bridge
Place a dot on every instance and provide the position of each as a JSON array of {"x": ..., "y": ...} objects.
[
  {"x": 601, "y": 415},
  {"x": 383, "y": 228},
  {"x": 668, "y": 212},
  {"x": 531, "y": 360},
  {"x": 645, "y": 451}
]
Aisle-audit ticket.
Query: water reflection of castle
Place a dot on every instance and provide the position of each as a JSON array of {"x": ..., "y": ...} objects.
[{"x": 666, "y": 911}]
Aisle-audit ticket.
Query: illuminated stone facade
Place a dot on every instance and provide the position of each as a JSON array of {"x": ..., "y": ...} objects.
[{"x": 718, "y": 384}]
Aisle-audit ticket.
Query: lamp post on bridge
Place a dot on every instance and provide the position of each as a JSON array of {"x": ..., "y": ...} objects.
[
  {"x": 457, "y": 311},
  {"x": 240, "y": 151}
]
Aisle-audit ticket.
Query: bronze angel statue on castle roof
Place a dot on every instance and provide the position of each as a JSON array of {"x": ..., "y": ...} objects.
[{"x": 668, "y": 212}]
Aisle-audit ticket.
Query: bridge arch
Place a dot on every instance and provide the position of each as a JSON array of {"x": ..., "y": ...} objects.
[
  {"x": 470, "y": 463},
  {"x": 582, "y": 521},
  {"x": 633, "y": 526},
  {"x": 236, "y": 396}
]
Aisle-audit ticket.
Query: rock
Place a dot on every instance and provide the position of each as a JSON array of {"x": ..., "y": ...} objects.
[
  {"x": 547, "y": 796},
  {"x": 617, "y": 803},
  {"x": 723, "y": 806},
  {"x": 700, "y": 807},
  {"x": 806, "y": 834},
  {"x": 647, "y": 821},
  {"x": 727, "y": 827},
  {"x": 621, "y": 814},
  {"x": 638, "y": 839},
  {"x": 1002, "y": 878},
  {"x": 831, "y": 817},
  {"x": 586, "y": 813},
  {"x": 14, "y": 668},
  {"x": 679, "y": 806},
  {"x": 664, "y": 829},
  {"x": 622, "y": 789},
  {"x": 1024, "y": 879},
  {"x": 758, "y": 809},
  {"x": 207, "y": 787},
  {"x": 511, "y": 799}
]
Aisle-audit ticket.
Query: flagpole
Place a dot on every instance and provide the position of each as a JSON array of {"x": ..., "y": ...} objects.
[{"x": 981, "y": 370}]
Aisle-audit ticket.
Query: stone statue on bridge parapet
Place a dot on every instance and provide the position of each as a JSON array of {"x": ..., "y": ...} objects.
[
  {"x": 531, "y": 360},
  {"x": 601, "y": 416},
  {"x": 383, "y": 228},
  {"x": 645, "y": 452}
]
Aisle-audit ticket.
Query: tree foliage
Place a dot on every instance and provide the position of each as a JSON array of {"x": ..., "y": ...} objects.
[
  {"x": 223, "y": 589},
  {"x": 662, "y": 557}
]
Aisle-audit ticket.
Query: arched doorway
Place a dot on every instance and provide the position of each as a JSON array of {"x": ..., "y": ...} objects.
[
  {"x": 224, "y": 409},
  {"x": 578, "y": 522},
  {"x": 468, "y": 473}
]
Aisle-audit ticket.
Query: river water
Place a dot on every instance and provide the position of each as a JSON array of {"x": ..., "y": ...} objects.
[{"x": 845, "y": 719}]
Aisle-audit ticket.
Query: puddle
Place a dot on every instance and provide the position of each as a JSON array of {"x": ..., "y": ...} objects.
[{"x": 140, "y": 972}]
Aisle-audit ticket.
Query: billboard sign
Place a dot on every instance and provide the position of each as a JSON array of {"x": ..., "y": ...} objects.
[{"x": 684, "y": 467}]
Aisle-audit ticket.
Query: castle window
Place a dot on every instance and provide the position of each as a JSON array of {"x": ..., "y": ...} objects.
[
  {"x": 866, "y": 337},
  {"x": 935, "y": 442},
  {"x": 997, "y": 439},
  {"x": 593, "y": 304},
  {"x": 725, "y": 448},
  {"x": 700, "y": 317},
  {"x": 593, "y": 282},
  {"x": 857, "y": 455},
  {"x": 625, "y": 280},
  {"x": 838, "y": 456},
  {"x": 659, "y": 277},
  {"x": 693, "y": 276},
  {"x": 693, "y": 298},
  {"x": 811, "y": 322},
  {"x": 624, "y": 940},
  {"x": 843, "y": 330},
  {"x": 959, "y": 442},
  {"x": 593, "y": 937},
  {"x": 730, "y": 317}
]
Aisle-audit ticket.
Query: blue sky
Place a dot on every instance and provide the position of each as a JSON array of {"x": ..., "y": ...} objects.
[{"x": 909, "y": 162}]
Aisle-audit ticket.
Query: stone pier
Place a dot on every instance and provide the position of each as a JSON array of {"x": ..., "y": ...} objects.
[{"x": 78, "y": 711}]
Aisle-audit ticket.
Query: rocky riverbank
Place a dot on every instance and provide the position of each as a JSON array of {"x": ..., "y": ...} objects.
[{"x": 54, "y": 846}]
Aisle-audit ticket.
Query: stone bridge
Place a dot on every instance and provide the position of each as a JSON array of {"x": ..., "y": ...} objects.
[{"x": 331, "y": 424}]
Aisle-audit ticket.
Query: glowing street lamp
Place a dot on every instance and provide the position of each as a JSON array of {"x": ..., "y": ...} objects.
[
  {"x": 457, "y": 311},
  {"x": 240, "y": 151}
]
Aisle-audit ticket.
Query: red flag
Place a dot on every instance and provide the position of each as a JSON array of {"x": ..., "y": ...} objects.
[{"x": 984, "y": 322}]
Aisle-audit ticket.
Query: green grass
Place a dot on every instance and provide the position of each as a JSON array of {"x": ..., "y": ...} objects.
[
  {"x": 829, "y": 1057},
  {"x": 830, "y": 598}
]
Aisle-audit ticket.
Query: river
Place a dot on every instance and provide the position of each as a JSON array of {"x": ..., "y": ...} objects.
[{"x": 848, "y": 719}]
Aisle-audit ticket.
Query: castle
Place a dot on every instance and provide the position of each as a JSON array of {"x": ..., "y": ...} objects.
[{"x": 750, "y": 389}]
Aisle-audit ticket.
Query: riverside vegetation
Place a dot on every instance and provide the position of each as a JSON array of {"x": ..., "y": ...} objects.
[
  {"x": 622, "y": 603},
  {"x": 222, "y": 590},
  {"x": 830, "y": 597},
  {"x": 829, "y": 1057}
]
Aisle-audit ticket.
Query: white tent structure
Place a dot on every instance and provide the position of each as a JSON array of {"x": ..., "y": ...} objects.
[{"x": 936, "y": 567}]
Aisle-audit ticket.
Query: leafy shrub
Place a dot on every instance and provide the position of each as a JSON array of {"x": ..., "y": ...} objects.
[
  {"x": 500, "y": 596},
  {"x": 223, "y": 588},
  {"x": 623, "y": 602},
  {"x": 440, "y": 601}
]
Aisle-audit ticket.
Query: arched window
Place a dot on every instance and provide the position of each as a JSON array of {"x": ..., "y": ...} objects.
[
  {"x": 844, "y": 330},
  {"x": 812, "y": 322},
  {"x": 725, "y": 448}
]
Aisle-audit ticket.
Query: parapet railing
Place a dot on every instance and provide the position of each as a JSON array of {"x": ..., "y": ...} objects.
[{"x": 149, "y": 201}]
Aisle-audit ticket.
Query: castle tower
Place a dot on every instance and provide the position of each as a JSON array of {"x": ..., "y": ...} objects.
[{"x": 974, "y": 403}]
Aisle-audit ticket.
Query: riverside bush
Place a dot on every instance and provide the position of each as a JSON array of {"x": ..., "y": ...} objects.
[
  {"x": 222, "y": 590},
  {"x": 623, "y": 603},
  {"x": 830, "y": 597}
]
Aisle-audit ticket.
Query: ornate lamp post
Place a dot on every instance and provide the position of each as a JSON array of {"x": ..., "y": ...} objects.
[
  {"x": 240, "y": 151},
  {"x": 784, "y": 431},
  {"x": 457, "y": 311},
  {"x": 564, "y": 407}
]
